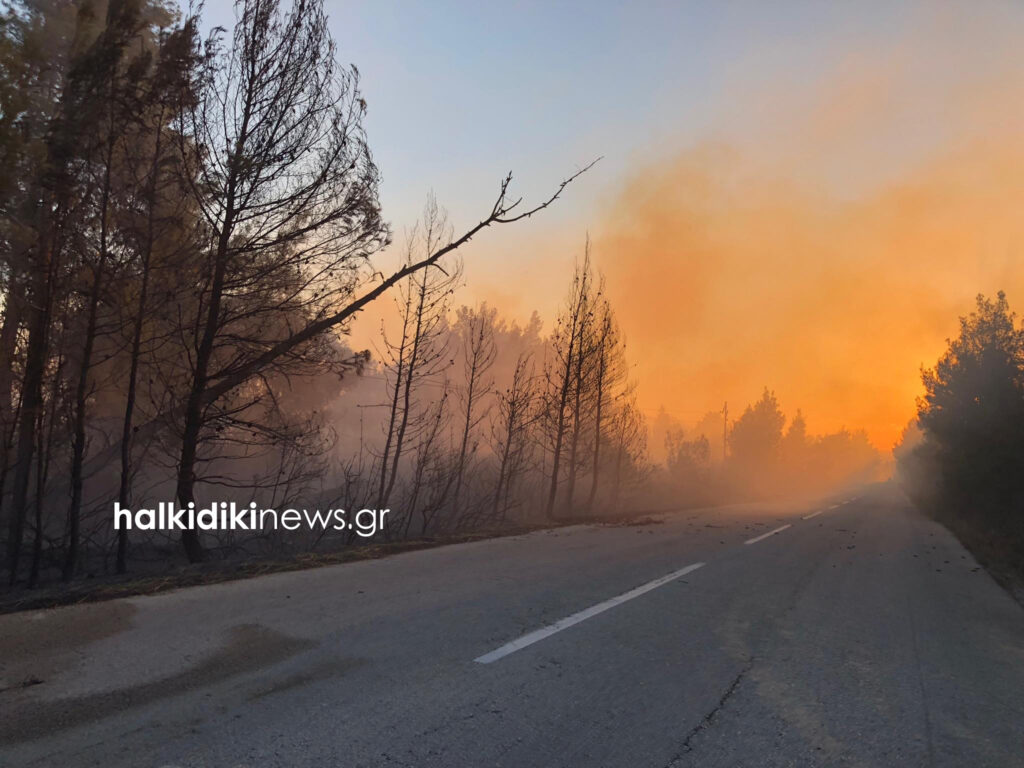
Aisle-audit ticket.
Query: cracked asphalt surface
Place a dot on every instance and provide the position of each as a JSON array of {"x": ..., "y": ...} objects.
[{"x": 865, "y": 636}]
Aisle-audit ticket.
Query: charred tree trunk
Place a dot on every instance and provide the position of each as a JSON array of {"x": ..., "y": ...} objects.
[
  {"x": 14, "y": 306},
  {"x": 604, "y": 354},
  {"x": 124, "y": 488},
  {"x": 393, "y": 406},
  {"x": 577, "y": 425},
  {"x": 410, "y": 375},
  {"x": 36, "y": 355},
  {"x": 82, "y": 389},
  {"x": 562, "y": 402}
]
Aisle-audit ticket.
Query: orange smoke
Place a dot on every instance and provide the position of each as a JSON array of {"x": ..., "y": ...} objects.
[
  {"x": 827, "y": 244},
  {"x": 727, "y": 280}
]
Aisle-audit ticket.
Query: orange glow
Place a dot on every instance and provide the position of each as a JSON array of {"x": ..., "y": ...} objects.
[{"x": 727, "y": 279}]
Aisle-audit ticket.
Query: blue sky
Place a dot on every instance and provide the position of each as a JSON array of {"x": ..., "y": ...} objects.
[{"x": 461, "y": 92}]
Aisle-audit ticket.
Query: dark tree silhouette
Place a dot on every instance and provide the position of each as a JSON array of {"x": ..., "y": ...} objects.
[
  {"x": 754, "y": 438},
  {"x": 965, "y": 468}
]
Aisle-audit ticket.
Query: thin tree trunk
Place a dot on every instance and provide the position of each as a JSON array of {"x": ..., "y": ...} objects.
[
  {"x": 82, "y": 390},
  {"x": 124, "y": 489},
  {"x": 464, "y": 445},
  {"x": 618, "y": 476},
  {"x": 502, "y": 468},
  {"x": 563, "y": 398},
  {"x": 597, "y": 451},
  {"x": 574, "y": 440},
  {"x": 407, "y": 394},
  {"x": 396, "y": 396},
  {"x": 37, "y": 351},
  {"x": 194, "y": 406},
  {"x": 601, "y": 371},
  {"x": 185, "y": 488},
  {"x": 37, "y": 541},
  {"x": 14, "y": 307},
  {"x": 13, "y": 311},
  {"x": 78, "y": 446}
]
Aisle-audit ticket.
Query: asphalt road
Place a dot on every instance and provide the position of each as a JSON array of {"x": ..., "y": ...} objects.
[{"x": 864, "y": 635}]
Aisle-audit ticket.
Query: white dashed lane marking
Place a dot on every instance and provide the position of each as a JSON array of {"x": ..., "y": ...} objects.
[
  {"x": 576, "y": 618},
  {"x": 756, "y": 539},
  {"x": 544, "y": 632}
]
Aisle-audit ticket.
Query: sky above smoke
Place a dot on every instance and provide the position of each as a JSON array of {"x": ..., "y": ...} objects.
[{"x": 798, "y": 195}]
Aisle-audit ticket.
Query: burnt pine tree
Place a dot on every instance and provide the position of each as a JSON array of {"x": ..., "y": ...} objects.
[
  {"x": 160, "y": 91},
  {"x": 52, "y": 217},
  {"x": 287, "y": 190},
  {"x": 286, "y": 185},
  {"x": 105, "y": 73},
  {"x": 479, "y": 351},
  {"x": 511, "y": 432},
  {"x": 420, "y": 352},
  {"x": 609, "y": 373},
  {"x": 563, "y": 370}
]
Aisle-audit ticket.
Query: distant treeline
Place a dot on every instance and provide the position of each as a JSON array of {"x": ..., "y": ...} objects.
[
  {"x": 472, "y": 421},
  {"x": 763, "y": 457},
  {"x": 962, "y": 459}
]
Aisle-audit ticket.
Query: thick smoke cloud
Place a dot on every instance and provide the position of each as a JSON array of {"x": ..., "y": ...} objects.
[{"x": 827, "y": 248}]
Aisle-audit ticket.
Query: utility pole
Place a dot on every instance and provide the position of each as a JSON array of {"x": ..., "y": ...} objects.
[{"x": 725, "y": 430}]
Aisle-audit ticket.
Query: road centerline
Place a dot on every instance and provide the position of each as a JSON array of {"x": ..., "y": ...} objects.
[
  {"x": 813, "y": 514},
  {"x": 756, "y": 539},
  {"x": 569, "y": 621}
]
